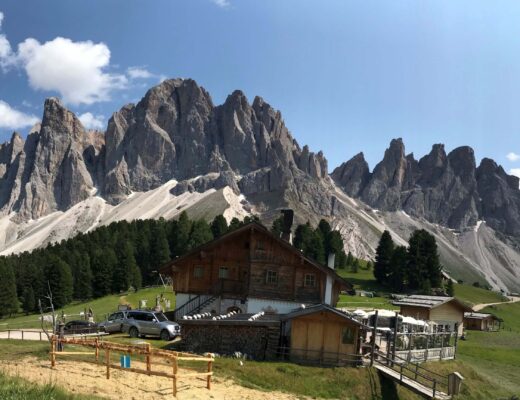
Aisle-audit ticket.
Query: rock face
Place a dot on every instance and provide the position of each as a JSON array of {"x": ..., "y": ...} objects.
[
  {"x": 174, "y": 132},
  {"x": 47, "y": 172},
  {"x": 448, "y": 190}
]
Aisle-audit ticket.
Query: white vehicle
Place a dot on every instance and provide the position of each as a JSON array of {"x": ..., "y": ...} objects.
[
  {"x": 139, "y": 323},
  {"x": 114, "y": 322}
]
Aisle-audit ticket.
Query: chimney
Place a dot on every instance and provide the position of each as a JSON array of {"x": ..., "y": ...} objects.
[
  {"x": 288, "y": 217},
  {"x": 331, "y": 260}
]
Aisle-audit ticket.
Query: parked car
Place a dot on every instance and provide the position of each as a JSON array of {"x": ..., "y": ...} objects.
[
  {"x": 81, "y": 327},
  {"x": 140, "y": 323},
  {"x": 114, "y": 322}
]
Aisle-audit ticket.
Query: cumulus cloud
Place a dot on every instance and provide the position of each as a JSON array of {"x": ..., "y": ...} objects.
[
  {"x": 221, "y": 3},
  {"x": 78, "y": 71},
  {"x": 91, "y": 121},
  {"x": 14, "y": 119},
  {"x": 139, "y": 73},
  {"x": 513, "y": 156},
  {"x": 515, "y": 172}
]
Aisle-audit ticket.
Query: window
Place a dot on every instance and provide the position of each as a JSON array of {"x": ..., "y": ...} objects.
[
  {"x": 271, "y": 277},
  {"x": 198, "y": 272},
  {"x": 223, "y": 273},
  {"x": 348, "y": 336},
  {"x": 310, "y": 280}
]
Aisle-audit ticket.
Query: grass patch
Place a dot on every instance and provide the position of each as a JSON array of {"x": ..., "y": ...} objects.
[
  {"x": 14, "y": 388},
  {"x": 473, "y": 295},
  {"x": 101, "y": 307}
]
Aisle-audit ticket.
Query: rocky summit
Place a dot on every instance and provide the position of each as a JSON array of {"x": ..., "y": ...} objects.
[{"x": 175, "y": 141}]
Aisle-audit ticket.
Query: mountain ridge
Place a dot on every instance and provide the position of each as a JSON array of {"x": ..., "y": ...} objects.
[{"x": 176, "y": 133}]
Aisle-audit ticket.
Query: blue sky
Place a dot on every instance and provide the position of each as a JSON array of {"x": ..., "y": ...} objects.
[{"x": 348, "y": 76}]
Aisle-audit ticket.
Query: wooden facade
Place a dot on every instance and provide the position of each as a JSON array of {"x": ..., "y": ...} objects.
[
  {"x": 446, "y": 312},
  {"x": 250, "y": 262},
  {"x": 481, "y": 322},
  {"x": 323, "y": 335}
]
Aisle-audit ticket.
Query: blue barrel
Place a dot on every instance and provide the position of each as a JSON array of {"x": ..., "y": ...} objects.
[{"x": 125, "y": 361}]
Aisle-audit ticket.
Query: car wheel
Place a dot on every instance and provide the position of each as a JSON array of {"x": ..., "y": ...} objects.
[
  {"x": 165, "y": 335},
  {"x": 133, "y": 332}
]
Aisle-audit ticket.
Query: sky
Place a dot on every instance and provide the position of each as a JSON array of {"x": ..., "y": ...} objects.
[{"x": 348, "y": 76}]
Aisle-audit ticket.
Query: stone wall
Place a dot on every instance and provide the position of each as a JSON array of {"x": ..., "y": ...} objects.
[{"x": 257, "y": 341}]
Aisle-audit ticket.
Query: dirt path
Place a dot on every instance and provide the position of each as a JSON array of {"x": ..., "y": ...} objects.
[
  {"x": 478, "y": 307},
  {"x": 85, "y": 378}
]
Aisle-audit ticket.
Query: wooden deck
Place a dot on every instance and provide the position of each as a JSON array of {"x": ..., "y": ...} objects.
[{"x": 411, "y": 384}]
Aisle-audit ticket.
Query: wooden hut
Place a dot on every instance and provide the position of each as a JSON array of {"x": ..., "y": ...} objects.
[
  {"x": 481, "y": 321},
  {"x": 446, "y": 312},
  {"x": 322, "y": 335}
]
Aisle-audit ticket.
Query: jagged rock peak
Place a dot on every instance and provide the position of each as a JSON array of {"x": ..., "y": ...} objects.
[{"x": 353, "y": 175}]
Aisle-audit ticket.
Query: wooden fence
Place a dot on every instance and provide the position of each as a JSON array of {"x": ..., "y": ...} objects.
[{"x": 151, "y": 355}]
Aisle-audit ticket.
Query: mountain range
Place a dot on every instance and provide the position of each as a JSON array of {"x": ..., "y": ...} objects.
[{"x": 175, "y": 150}]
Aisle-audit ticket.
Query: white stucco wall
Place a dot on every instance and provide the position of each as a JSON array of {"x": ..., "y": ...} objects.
[{"x": 278, "y": 306}]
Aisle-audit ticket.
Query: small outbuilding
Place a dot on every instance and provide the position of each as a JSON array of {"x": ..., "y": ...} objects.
[
  {"x": 446, "y": 312},
  {"x": 481, "y": 321},
  {"x": 322, "y": 335}
]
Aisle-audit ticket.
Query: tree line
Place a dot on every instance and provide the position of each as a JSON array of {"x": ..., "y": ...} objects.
[
  {"x": 317, "y": 243},
  {"x": 110, "y": 259},
  {"x": 416, "y": 267}
]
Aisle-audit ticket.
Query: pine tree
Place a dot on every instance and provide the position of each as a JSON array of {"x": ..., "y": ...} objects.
[
  {"x": 277, "y": 227},
  {"x": 159, "y": 252},
  {"x": 103, "y": 264},
  {"x": 181, "y": 234},
  {"x": 121, "y": 277},
  {"x": 450, "y": 289},
  {"x": 8, "y": 296},
  {"x": 219, "y": 226},
  {"x": 316, "y": 248},
  {"x": 28, "y": 300},
  {"x": 383, "y": 256},
  {"x": 303, "y": 237},
  {"x": 234, "y": 224},
  {"x": 350, "y": 259},
  {"x": 355, "y": 266},
  {"x": 416, "y": 269},
  {"x": 83, "y": 278},
  {"x": 59, "y": 276},
  {"x": 397, "y": 272},
  {"x": 341, "y": 260},
  {"x": 200, "y": 234}
]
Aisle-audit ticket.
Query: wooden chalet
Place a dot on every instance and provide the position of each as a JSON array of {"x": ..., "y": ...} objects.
[
  {"x": 323, "y": 335},
  {"x": 481, "y": 321},
  {"x": 446, "y": 312},
  {"x": 250, "y": 270}
]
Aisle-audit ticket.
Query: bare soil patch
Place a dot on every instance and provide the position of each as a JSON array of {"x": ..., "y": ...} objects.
[{"x": 90, "y": 379}]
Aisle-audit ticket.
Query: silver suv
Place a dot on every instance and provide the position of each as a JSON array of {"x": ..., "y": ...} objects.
[
  {"x": 114, "y": 322},
  {"x": 149, "y": 323}
]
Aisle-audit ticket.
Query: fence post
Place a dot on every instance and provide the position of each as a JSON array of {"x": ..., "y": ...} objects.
[
  {"x": 394, "y": 342},
  {"x": 434, "y": 387},
  {"x": 107, "y": 356},
  {"x": 374, "y": 330},
  {"x": 456, "y": 339},
  {"x": 97, "y": 350},
  {"x": 22, "y": 334},
  {"x": 175, "y": 368},
  {"x": 53, "y": 351},
  {"x": 427, "y": 345},
  {"x": 148, "y": 361},
  {"x": 9, "y": 334},
  {"x": 208, "y": 383},
  {"x": 442, "y": 348}
]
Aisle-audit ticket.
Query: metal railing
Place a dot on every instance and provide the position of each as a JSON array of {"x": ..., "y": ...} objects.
[{"x": 415, "y": 372}]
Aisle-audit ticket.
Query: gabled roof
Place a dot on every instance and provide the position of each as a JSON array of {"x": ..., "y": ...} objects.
[
  {"x": 165, "y": 269},
  {"x": 476, "y": 315},
  {"x": 318, "y": 308},
  {"x": 429, "y": 302}
]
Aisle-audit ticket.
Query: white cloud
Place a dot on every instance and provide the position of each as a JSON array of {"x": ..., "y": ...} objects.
[
  {"x": 139, "y": 73},
  {"x": 6, "y": 53},
  {"x": 221, "y": 3},
  {"x": 515, "y": 172},
  {"x": 76, "y": 70},
  {"x": 513, "y": 156},
  {"x": 91, "y": 121},
  {"x": 14, "y": 119}
]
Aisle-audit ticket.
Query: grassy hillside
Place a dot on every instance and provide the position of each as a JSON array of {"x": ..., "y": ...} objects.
[
  {"x": 473, "y": 295},
  {"x": 101, "y": 307}
]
